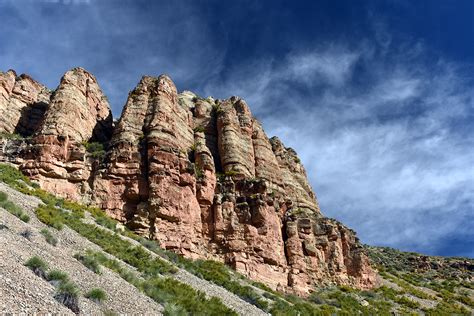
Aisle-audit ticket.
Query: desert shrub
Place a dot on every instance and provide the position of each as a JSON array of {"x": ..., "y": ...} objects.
[
  {"x": 97, "y": 295},
  {"x": 106, "y": 222},
  {"x": 14, "y": 178},
  {"x": 13, "y": 208},
  {"x": 45, "y": 197},
  {"x": 24, "y": 217},
  {"x": 199, "y": 129},
  {"x": 50, "y": 216},
  {"x": 172, "y": 309},
  {"x": 213, "y": 271},
  {"x": 174, "y": 295},
  {"x": 38, "y": 266},
  {"x": 231, "y": 173},
  {"x": 67, "y": 294},
  {"x": 316, "y": 298},
  {"x": 112, "y": 243},
  {"x": 283, "y": 308},
  {"x": 217, "y": 109},
  {"x": 465, "y": 299},
  {"x": 109, "y": 312},
  {"x": 76, "y": 208},
  {"x": 444, "y": 308},
  {"x": 198, "y": 172},
  {"x": 48, "y": 236},
  {"x": 11, "y": 136},
  {"x": 403, "y": 300},
  {"x": 169, "y": 291},
  {"x": 95, "y": 149},
  {"x": 57, "y": 275},
  {"x": 89, "y": 262},
  {"x": 114, "y": 265}
]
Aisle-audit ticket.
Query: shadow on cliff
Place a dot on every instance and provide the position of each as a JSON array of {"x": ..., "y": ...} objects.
[{"x": 31, "y": 118}]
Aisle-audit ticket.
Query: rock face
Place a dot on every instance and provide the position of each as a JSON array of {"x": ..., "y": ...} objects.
[
  {"x": 198, "y": 175},
  {"x": 78, "y": 112},
  {"x": 23, "y": 102}
]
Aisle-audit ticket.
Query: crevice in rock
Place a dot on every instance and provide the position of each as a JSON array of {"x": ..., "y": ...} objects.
[
  {"x": 284, "y": 237},
  {"x": 31, "y": 118}
]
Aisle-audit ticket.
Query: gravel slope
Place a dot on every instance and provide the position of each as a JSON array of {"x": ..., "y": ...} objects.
[
  {"x": 23, "y": 292},
  {"x": 210, "y": 289}
]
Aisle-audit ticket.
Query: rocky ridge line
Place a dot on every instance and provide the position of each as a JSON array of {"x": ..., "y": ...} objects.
[{"x": 198, "y": 175}]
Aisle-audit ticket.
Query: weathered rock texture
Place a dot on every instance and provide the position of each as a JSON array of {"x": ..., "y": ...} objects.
[
  {"x": 23, "y": 102},
  {"x": 78, "y": 112},
  {"x": 198, "y": 175}
]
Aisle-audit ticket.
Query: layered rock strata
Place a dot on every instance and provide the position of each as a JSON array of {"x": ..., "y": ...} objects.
[
  {"x": 200, "y": 176},
  {"x": 23, "y": 102},
  {"x": 78, "y": 113}
]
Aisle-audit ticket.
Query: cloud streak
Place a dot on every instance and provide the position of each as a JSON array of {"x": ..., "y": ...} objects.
[{"x": 387, "y": 151}]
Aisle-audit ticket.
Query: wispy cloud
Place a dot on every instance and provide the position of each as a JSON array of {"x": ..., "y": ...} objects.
[
  {"x": 117, "y": 42},
  {"x": 387, "y": 152}
]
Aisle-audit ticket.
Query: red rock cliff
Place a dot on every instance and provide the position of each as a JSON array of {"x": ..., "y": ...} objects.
[{"x": 200, "y": 176}]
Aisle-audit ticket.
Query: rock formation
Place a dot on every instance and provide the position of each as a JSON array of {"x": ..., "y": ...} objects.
[
  {"x": 23, "y": 102},
  {"x": 200, "y": 176}
]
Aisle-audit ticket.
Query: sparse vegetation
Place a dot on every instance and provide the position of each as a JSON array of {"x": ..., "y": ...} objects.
[
  {"x": 38, "y": 266},
  {"x": 50, "y": 216},
  {"x": 57, "y": 275},
  {"x": 199, "y": 129},
  {"x": 217, "y": 109},
  {"x": 67, "y": 294},
  {"x": 95, "y": 149},
  {"x": 11, "y": 136},
  {"x": 97, "y": 295},
  {"x": 198, "y": 172},
  {"x": 450, "y": 284},
  {"x": 12, "y": 207},
  {"x": 231, "y": 173},
  {"x": 89, "y": 261},
  {"x": 48, "y": 236}
]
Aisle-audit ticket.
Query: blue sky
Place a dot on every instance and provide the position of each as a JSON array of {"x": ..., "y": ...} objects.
[{"x": 377, "y": 97}]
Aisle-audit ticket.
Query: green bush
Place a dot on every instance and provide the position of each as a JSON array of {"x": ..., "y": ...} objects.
[
  {"x": 97, "y": 295},
  {"x": 95, "y": 149},
  {"x": 50, "y": 239},
  {"x": 38, "y": 266},
  {"x": 3, "y": 196},
  {"x": 199, "y": 129},
  {"x": 68, "y": 294},
  {"x": 11, "y": 136},
  {"x": 106, "y": 222},
  {"x": 169, "y": 291},
  {"x": 57, "y": 275},
  {"x": 50, "y": 215},
  {"x": 13, "y": 208},
  {"x": 24, "y": 217},
  {"x": 89, "y": 262},
  {"x": 14, "y": 178}
]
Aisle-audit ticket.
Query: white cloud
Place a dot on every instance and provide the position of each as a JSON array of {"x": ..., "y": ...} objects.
[
  {"x": 389, "y": 157},
  {"x": 333, "y": 66}
]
